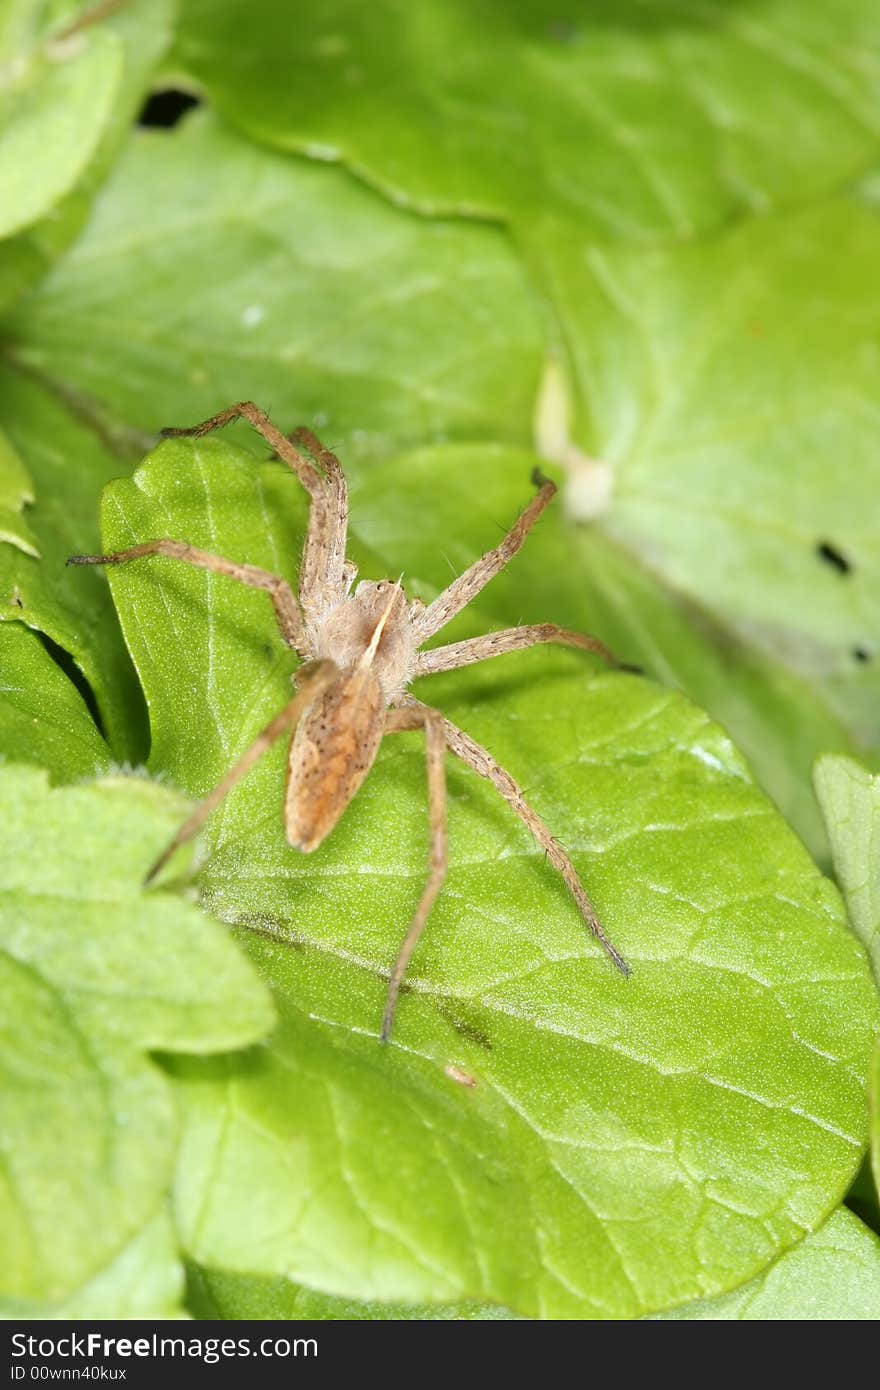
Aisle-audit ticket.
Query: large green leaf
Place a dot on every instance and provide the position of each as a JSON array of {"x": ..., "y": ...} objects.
[
  {"x": 627, "y": 118},
  {"x": 832, "y": 1274},
  {"x": 290, "y": 284},
  {"x": 850, "y": 801},
  {"x": 68, "y": 463},
  {"x": 94, "y": 974},
  {"x": 639, "y": 1143}
]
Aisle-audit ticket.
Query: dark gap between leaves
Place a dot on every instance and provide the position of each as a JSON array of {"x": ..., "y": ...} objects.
[
  {"x": 164, "y": 109},
  {"x": 65, "y": 662},
  {"x": 861, "y": 654},
  {"x": 834, "y": 557}
]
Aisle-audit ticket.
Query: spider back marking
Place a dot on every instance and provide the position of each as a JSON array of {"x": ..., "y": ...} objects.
[{"x": 368, "y": 636}]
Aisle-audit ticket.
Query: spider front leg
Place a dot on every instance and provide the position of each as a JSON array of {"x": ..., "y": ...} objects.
[
  {"x": 510, "y": 639},
  {"x": 321, "y": 575},
  {"x": 460, "y": 592},
  {"x": 287, "y": 609},
  {"x": 416, "y": 716},
  {"x": 480, "y": 760}
]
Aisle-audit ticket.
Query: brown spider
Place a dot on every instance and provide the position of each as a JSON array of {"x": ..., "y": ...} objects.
[{"x": 360, "y": 651}]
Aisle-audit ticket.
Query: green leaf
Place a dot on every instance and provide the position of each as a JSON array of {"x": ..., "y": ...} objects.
[
  {"x": 94, "y": 974},
  {"x": 145, "y": 1280},
  {"x": 288, "y": 283},
  {"x": 54, "y": 113},
  {"x": 875, "y": 1116},
  {"x": 68, "y": 464},
  {"x": 832, "y": 1274},
  {"x": 21, "y": 264},
  {"x": 16, "y": 490},
  {"x": 43, "y": 717},
  {"x": 17, "y": 20},
  {"x": 640, "y": 1143},
  {"x": 71, "y": 79},
  {"x": 719, "y": 382},
  {"x": 850, "y": 800},
  {"x": 630, "y": 120},
  {"x": 216, "y": 1294}
]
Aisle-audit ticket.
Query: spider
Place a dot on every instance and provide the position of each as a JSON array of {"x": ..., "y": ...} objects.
[{"x": 360, "y": 648}]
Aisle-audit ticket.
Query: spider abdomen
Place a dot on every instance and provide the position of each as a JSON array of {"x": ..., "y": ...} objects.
[{"x": 334, "y": 747}]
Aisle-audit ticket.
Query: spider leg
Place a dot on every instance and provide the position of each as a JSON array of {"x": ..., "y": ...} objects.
[
  {"x": 321, "y": 571},
  {"x": 431, "y": 720},
  {"x": 287, "y": 610},
  {"x": 481, "y": 761},
  {"x": 324, "y": 564},
  {"x": 510, "y": 639},
  {"x": 460, "y": 592},
  {"x": 313, "y": 679}
]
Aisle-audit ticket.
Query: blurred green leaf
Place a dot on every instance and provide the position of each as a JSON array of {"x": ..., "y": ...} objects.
[
  {"x": 723, "y": 384},
  {"x": 288, "y": 283},
  {"x": 16, "y": 491},
  {"x": 624, "y": 118},
  {"x": 145, "y": 1280},
  {"x": 55, "y": 105},
  {"x": 94, "y": 974},
  {"x": 71, "y": 79},
  {"x": 850, "y": 800},
  {"x": 20, "y": 265},
  {"x": 642, "y": 1142}
]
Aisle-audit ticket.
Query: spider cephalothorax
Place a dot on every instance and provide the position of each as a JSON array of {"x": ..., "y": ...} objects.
[{"x": 360, "y": 649}]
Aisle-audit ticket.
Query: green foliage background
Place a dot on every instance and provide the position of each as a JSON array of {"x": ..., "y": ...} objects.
[{"x": 636, "y": 241}]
